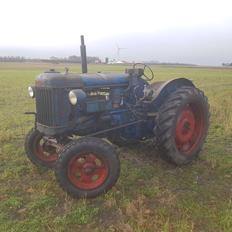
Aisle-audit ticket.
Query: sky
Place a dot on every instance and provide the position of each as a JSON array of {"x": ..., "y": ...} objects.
[{"x": 186, "y": 31}]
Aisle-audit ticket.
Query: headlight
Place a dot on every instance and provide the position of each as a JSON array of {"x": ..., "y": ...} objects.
[
  {"x": 72, "y": 98},
  {"x": 31, "y": 92}
]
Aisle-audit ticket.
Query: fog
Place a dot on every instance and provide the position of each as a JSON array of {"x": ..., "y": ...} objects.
[
  {"x": 195, "y": 31},
  {"x": 203, "y": 46}
]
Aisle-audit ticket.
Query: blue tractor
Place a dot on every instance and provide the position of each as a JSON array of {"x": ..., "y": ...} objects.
[{"x": 79, "y": 117}]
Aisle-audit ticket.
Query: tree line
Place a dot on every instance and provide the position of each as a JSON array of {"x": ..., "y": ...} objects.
[
  {"x": 52, "y": 59},
  {"x": 226, "y": 64}
]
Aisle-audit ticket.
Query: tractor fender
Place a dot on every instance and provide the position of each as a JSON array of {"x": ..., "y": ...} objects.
[{"x": 164, "y": 88}]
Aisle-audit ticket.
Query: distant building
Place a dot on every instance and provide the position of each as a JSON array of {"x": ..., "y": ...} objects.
[
  {"x": 114, "y": 61},
  {"x": 54, "y": 58}
]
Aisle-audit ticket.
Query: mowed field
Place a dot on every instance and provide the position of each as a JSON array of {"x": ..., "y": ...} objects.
[{"x": 150, "y": 195}]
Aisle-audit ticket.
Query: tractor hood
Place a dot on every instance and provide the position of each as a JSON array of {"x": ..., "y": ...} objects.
[{"x": 54, "y": 79}]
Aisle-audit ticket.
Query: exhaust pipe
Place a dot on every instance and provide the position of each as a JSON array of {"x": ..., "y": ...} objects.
[{"x": 83, "y": 56}]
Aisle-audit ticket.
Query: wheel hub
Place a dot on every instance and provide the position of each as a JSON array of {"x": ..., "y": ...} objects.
[
  {"x": 45, "y": 151},
  {"x": 188, "y": 129},
  {"x": 87, "y": 171},
  {"x": 89, "y": 168},
  {"x": 185, "y": 126}
]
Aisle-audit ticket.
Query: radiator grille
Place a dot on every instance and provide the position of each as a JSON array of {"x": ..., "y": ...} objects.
[{"x": 50, "y": 106}]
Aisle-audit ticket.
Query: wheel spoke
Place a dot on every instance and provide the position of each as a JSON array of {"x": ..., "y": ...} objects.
[
  {"x": 100, "y": 166},
  {"x": 87, "y": 179},
  {"x": 76, "y": 174},
  {"x": 77, "y": 165},
  {"x": 186, "y": 146},
  {"x": 90, "y": 158}
]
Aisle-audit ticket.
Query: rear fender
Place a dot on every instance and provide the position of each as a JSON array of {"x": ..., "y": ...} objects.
[{"x": 163, "y": 89}]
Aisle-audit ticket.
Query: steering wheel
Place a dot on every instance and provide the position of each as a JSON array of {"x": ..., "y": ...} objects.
[{"x": 147, "y": 77}]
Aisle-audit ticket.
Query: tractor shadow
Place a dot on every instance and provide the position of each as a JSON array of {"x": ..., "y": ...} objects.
[
  {"x": 143, "y": 170},
  {"x": 143, "y": 153}
]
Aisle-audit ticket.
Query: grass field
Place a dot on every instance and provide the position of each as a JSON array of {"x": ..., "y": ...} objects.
[{"x": 151, "y": 195}]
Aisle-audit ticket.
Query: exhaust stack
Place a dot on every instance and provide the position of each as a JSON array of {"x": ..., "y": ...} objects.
[{"x": 83, "y": 56}]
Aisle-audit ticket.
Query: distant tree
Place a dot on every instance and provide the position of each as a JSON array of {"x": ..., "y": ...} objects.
[
  {"x": 75, "y": 59},
  {"x": 226, "y": 64},
  {"x": 52, "y": 59},
  {"x": 12, "y": 59}
]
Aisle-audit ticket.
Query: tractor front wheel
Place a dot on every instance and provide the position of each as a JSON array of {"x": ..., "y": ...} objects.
[
  {"x": 39, "y": 151},
  {"x": 182, "y": 125},
  {"x": 87, "y": 167}
]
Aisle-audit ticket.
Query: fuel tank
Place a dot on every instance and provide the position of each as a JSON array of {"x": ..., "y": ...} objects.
[{"x": 53, "y": 79}]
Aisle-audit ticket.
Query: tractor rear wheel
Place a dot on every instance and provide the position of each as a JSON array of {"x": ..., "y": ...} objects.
[
  {"x": 182, "y": 125},
  {"x": 87, "y": 167}
]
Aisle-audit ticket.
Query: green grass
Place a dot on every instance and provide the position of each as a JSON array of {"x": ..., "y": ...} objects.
[{"x": 151, "y": 195}]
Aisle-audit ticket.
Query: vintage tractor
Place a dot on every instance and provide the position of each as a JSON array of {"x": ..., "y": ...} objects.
[{"x": 79, "y": 116}]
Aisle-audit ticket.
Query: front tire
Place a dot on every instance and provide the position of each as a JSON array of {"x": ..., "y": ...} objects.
[
  {"x": 38, "y": 151},
  {"x": 182, "y": 125},
  {"x": 87, "y": 167}
]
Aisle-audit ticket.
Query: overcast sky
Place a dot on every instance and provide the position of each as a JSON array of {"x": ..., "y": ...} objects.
[{"x": 189, "y": 31}]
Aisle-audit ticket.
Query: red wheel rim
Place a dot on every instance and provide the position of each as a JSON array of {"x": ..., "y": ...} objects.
[
  {"x": 87, "y": 171},
  {"x": 189, "y": 128},
  {"x": 45, "y": 152}
]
